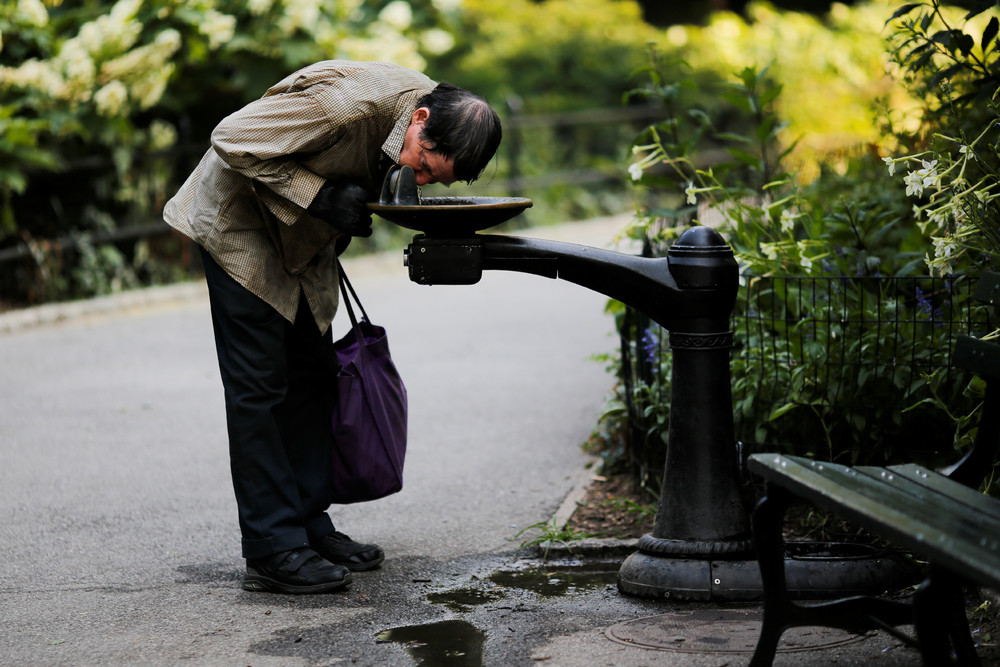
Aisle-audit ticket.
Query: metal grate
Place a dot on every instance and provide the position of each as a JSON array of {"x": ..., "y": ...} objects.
[
  {"x": 829, "y": 366},
  {"x": 823, "y": 366}
]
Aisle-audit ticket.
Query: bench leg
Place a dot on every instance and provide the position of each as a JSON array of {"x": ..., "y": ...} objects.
[
  {"x": 768, "y": 517},
  {"x": 939, "y": 616},
  {"x": 854, "y": 614}
]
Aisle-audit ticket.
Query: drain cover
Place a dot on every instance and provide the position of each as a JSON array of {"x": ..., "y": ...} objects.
[{"x": 719, "y": 631}]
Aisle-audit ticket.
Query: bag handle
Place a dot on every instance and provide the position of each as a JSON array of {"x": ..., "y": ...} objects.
[
  {"x": 347, "y": 290},
  {"x": 350, "y": 288}
]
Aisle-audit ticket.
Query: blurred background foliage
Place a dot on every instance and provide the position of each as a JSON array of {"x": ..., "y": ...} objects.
[{"x": 106, "y": 106}]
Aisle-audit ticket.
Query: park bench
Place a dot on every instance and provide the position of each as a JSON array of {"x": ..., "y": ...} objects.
[{"x": 940, "y": 516}]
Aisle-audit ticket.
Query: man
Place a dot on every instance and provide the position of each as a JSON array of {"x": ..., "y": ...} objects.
[{"x": 280, "y": 193}]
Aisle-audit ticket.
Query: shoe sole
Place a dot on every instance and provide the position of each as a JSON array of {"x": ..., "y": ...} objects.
[{"x": 260, "y": 583}]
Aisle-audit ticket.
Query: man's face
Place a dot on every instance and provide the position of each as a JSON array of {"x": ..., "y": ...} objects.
[{"x": 428, "y": 167}]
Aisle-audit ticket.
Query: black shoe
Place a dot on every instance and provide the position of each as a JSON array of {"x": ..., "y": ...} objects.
[
  {"x": 342, "y": 550},
  {"x": 298, "y": 571}
]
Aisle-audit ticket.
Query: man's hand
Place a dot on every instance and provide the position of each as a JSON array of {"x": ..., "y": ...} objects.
[{"x": 342, "y": 204}]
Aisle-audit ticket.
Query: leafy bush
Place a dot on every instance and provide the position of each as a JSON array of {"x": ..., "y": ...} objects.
[
  {"x": 838, "y": 329},
  {"x": 106, "y": 106}
]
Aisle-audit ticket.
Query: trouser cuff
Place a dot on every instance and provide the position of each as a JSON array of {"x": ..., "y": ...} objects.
[{"x": 262, "y": 548}]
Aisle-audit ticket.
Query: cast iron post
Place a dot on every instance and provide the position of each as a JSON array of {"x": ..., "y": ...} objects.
[
  {"x": 701, "y": 514},
  {"x": 691, "y": 293}
]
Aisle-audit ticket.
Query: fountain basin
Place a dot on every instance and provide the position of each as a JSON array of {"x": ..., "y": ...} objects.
[{"x": 451, "y": 217}]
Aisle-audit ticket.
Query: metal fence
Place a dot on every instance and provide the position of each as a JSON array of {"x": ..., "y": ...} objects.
[{"x": 841, "y": 368}]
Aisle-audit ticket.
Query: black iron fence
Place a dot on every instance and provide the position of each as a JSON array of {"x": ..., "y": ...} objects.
[{"x": 842, "y": 368}]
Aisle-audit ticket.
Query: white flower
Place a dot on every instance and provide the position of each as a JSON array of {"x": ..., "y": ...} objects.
[
  {"x": 397, "y": 14},
  {"x": 944, "y": 246},
  {"x": 259, "y": 7},
  {"x": 33, "y": 12},
  {"x": 436, "y": 41},
  {"x": 807, "y": 263},
  {"x": 124, "y": 10},
  {"x": 76, "y": 63},
  {"x": 445, "y": 6},
  {"x": 162, "y": 135},
  {"x": 218, "y": 27},
  {"x": 111, "y": 100},
  {"x": 635, "y": 171},
  {"x": 891, "y": 164},
  {"x": 788, "y": 220},
  {"x": 939, "y": 216},
  {"x": 300, "y": 14},
  {"x": 914, "y": 184},
  {"x": 930, "y": 176},
  {"x": 926, "y": 177},
  {"x": 769, "y": 250},
  {"x": 691, "y": 194},
  {"x": 967, "y": 151}
]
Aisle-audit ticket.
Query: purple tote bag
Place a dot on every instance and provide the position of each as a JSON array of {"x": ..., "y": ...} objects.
[{"x": 369, "y": 417}]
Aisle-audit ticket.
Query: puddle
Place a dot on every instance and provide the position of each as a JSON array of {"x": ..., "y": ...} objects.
[
  {"x": 464, "y": 599},
  {"x": 553, "y": 581},
  {"x": 447, "y": 643}
]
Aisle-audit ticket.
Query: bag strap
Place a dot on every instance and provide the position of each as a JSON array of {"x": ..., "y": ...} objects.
[{"x": 347, "y": 290}]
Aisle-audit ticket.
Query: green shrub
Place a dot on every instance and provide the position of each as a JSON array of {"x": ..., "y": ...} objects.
[{"x": 838, "y": 329}]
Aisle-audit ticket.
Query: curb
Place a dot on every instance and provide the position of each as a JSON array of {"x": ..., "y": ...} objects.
[
  {"x": 588, "y": 548},
  {"x": 596, "y": 231},
  {"x": 55, "y": 313}
]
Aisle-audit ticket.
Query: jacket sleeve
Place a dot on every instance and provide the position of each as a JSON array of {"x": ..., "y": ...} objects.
[{"x": 262, "y": 140}]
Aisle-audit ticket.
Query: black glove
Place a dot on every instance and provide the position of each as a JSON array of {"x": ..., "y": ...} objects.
[{"x": 342, "y": 204}]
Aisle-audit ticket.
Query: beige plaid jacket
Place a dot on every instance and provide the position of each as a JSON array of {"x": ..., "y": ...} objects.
[{"x": 246, "y": 201}]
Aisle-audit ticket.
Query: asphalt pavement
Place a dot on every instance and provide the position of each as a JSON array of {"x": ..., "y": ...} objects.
[{"x": 118, "y": 532}]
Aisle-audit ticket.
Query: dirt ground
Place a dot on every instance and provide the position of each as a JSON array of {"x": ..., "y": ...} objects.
[{"x": 614, "y": 507}]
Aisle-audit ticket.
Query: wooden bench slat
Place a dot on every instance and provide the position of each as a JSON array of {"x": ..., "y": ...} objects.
[
  {"x": 965, "y": 542},
  {"x": 904, "y": 496},
  {"x": 980, "y": 356},
  {"x": 935, "y": 481}
]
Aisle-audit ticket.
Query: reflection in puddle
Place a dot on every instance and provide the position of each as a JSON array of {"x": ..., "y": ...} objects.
[
  {"x": 447, "y": 643},
  {"x": 559, "y": 580},
  {"x": 463, "y": 599}
]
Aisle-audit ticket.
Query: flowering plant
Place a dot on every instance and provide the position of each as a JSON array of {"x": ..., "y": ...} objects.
[
  {"x": 954, "y": 181},
  {"x": 838, "y": 328}
]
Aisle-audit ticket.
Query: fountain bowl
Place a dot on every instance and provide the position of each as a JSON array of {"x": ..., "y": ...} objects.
[{"x": 452, "y": 216}]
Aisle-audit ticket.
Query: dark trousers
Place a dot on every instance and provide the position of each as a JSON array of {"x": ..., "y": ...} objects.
[{"x": 279, "y": 394}]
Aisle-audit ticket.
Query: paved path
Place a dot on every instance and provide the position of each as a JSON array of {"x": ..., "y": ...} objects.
[{"x": 118, "y": 532}]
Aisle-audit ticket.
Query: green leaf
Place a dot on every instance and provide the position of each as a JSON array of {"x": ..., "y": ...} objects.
[
  {"x": 738, "y": 138},
  {"x": 743, "y": 156},
  {"x": 945, "y": 74},
  {"x": 989, "y": 33},
  {"x": 979, "y": 8},
  {"x": 965, "y": 42},
  {"x": 738, "y": 98},
  {"x": 769, "y": 95},
  {"x": 921, "y": 61},
  {"x": 782, "y": 410},
  {"x": 902, "y": 11}
]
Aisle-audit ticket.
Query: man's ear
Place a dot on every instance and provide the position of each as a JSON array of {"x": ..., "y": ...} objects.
[{"x": 420, "y": 116}]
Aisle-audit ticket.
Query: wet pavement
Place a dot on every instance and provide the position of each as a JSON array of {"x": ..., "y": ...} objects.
[{"x": 117, "y": 523}]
